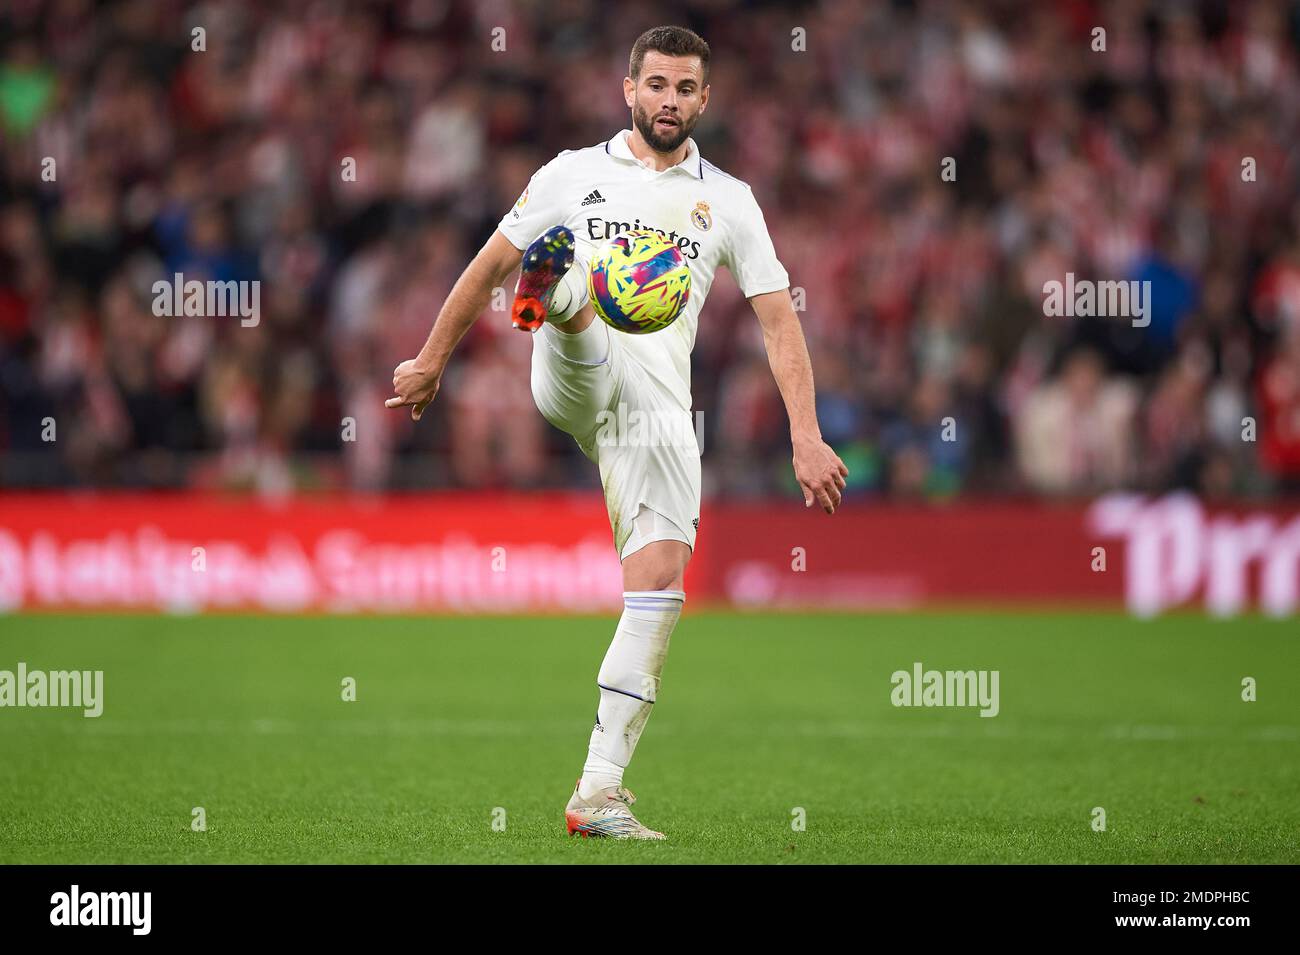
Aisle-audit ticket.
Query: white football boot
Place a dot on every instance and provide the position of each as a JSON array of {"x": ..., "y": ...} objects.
[{"x": 606, "y": 814}]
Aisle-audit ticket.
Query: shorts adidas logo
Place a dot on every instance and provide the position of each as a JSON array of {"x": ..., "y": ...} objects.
[{"x": 593, "y": 198}]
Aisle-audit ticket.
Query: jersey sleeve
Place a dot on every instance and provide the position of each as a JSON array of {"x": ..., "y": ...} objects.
[
  {"x": 752, "y": 258},
  {"x": 540, "y": 206}
]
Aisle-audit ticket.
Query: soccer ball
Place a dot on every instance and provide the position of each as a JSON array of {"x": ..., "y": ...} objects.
[{"x": 639, "y": 282}]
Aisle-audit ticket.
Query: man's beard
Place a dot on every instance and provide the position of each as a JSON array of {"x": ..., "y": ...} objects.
[{"x": 661, "y": 142}]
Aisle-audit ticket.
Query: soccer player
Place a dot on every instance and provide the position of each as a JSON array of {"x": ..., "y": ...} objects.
[{"x": 649, "y": 177}]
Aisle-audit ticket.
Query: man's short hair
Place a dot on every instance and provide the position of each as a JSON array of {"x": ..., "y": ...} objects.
[{"x": 670, "y": 41}]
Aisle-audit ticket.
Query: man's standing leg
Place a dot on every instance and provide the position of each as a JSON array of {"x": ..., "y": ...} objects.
[
  {"x": 653, "y": 494},
  {"x": 629, "y": 676}
]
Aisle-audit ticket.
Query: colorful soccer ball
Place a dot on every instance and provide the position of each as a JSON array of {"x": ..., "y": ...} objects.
[{"x": 639, "y": 282}]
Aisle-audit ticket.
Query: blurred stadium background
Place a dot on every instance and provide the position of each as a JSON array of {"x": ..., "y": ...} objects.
[
  {"x": 129, "y": 156},
  {"x": 1100, "y": 471},
  {"x": 923, "y": 298}
]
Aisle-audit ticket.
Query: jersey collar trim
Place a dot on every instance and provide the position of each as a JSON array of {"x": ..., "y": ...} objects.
[{"x": 692, "y": 165}]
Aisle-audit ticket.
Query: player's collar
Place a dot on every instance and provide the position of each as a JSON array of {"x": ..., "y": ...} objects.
[{"x": 692, "y": 165}]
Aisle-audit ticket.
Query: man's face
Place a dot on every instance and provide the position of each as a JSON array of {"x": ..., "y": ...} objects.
[{"x": 667, "y": 99}]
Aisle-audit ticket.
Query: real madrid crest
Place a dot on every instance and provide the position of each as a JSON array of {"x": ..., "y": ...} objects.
[{"x": 701, "y": 216}]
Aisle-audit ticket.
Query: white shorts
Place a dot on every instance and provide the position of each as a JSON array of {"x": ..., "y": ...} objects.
[{"x": 640, "y": 437}]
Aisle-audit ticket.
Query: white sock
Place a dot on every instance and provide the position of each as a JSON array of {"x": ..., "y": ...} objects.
[
  {"x": 629, "y": 684},
  {"x": 599, "y": 775},
  {"x": 569, "y": 294},
  {"x": 588, "y": 347}
]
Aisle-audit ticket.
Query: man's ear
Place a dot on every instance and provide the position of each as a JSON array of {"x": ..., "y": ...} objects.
[{"x": 629, "y": 91}]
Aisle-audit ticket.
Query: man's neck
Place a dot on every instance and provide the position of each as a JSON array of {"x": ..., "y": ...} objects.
[{"x": 656, "y": 160}]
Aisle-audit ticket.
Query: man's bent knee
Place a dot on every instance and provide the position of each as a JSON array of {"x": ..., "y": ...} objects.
[{"x": 659, "y": 565}]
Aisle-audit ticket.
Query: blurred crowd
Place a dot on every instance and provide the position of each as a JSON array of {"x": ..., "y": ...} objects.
[{"x": 924, "y": 168}]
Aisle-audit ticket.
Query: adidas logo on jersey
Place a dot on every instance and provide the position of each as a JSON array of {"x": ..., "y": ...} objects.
[{"x": 593, "y": 198}]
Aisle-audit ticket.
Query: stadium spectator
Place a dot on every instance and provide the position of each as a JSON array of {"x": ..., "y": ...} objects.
[{"x": 925, "y": 169}]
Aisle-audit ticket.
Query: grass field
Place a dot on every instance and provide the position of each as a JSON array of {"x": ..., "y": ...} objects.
[{"x": 758, "y": 715}]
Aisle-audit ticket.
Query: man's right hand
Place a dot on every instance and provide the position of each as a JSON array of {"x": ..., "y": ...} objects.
[
  {"x": 415, "y": 381},
  {"x": 413, "y": 386}
]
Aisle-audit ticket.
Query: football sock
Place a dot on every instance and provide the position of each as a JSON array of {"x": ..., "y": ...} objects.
[
  {"x": 588, "y": 347},
  {"x": 629, "y": 684},
  {"x": 599, "y": 775},
  {"x": 569, "y": 294}
]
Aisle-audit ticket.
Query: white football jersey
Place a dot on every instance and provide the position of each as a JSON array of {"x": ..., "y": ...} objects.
[{"x": 603, "y": 190}]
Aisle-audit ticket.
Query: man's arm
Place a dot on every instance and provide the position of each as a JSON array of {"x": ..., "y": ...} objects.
[
  {"x": 415, "y": 381},
  {"x": 818, "y": 469}
]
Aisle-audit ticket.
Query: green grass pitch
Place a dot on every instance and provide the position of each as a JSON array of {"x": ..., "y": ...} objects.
[{"x": 758, "y": 715}]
